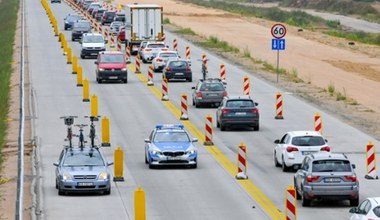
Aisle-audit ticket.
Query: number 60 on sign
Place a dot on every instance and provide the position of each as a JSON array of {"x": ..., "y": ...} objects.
[{"x": 278, "y": 31}]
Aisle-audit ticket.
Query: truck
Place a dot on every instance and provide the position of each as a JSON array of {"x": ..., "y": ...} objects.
[{"x": 143, "y": 22}]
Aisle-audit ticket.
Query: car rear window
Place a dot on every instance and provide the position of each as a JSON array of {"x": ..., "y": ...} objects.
[
  {"x": 155, "y": 45},
  {"x": 376, "y": 211},
  {"x": 115, "y": 58},
  {"x": 308, "y": 141},
  {"x": 240, "y": 103},
  {"x": 331, "y": 166},
  {"x": 212, "y": 87},
  {"x": 178, "y": 64}
]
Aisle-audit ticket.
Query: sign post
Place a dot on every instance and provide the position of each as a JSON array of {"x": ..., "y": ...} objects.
[{"x": 278, "y": 31}]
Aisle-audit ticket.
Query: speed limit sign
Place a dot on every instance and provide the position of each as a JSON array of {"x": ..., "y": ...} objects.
[{"x": 278, "y": 31}]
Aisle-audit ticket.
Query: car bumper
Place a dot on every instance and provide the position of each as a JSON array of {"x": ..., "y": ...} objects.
[
  {"x": 85, "y": 186},
  {"x": 240, "y": 121},
  {"x": 112, "y": 75},
  {"x": 162, "y": 160},
  {"x": 328, "y": 192},
  {"x": 178, "y": 75},
  {"x": 91, "y": 52},
  {"x": 209, "y": 100},
  {"x": 77, "y": 35},
  {"x": 148, "y": 56}
]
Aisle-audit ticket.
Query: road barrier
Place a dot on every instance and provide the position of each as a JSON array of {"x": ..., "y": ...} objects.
[
  {"x": 150, "y": 76},
  {"x": 101, "y": 31},
  {"x": 137, "y": 63},
  {"x": 94, "y": 106},
  {"x": 86, "y": 90},
  {"x": 318, "y": 123},
  {"x": 128, "y": 54},
  {"x": 106, "y": 35},
  {"x": 75, "y": 65},
  {"x": 105, "y": 132},
  {"x": 290, "y": 203},
  {"x": 118, "y": 164},
  {"x": 188, "y": 57},
  {"x": 175, "y": 45},
  {"x": 118, "y": 45},
  {"x": 60, "y": 37},
  {"x": 68, "y": 55},
  {"x": 246, "y": 85},
  {"x": 79, "y": 76},
  {"x": 139, "y": 198},
  {"x": 63, "y": 40},
  {"x": 184, "y": 107},
  {"x": 222, "y": 72},
  {"x": 208, "y": 131},
  {"x": 242, "y": 162},
  {"x": 279, "y": 106},
  {"x": 163, "y": 38},
  {"x": 112, "y": 44},
  {"x": 165, "y": 89},
  {"x": 371, "y": 161}
]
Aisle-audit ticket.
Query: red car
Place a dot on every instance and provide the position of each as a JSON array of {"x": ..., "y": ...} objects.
[
  {"x": 121, "y": 35},
  {"x": 111, "y": 65}
]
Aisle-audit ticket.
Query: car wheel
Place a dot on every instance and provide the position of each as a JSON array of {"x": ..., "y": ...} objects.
[
  {"x": 197, "y": 105},
  {"x": 107, "y": 192},
  {"x": 125, "y": 81},
  {"x": 194, "y": 166},
  {"x": 144, "y": 60},
  {"x": 190, "y": 79},
  {"x": 256, "y": 127},
  {"x": 222, "y": 127},
  {"x": 354, "y": 202},
  {"x": 82, "y": 56},
  {"x": 146, "y": 159},
  {"x": 283, "y": 166},
  {"x": 60, "y": 192},
  {"x": 217, "y": 124},
  {"x": 56, "y": 184},
  {"x": 298, "y": 194},
  {"x": 65, "y": 28},
  {"x": 72, "y": 39},
  {"x": 305, "y": 202},
  {"x": 276, "y": 163},
  {"x": 193, "y": 102}
]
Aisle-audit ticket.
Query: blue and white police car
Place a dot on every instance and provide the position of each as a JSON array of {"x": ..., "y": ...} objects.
[{"x": 170, "y": 144}]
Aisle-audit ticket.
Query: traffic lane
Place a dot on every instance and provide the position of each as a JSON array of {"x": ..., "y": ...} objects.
[{"x": 120, "y": 95}]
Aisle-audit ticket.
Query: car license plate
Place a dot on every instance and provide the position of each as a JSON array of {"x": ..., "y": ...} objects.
[
  {"x": 240, "y": 113},
  {"x": 307, "y": 152},
  {"x": 332, "y": 180},
  {"x": 212, "y": 94},
  {"x": 179, "y": 74},
  {"x": 173, "y": 158},
  {"x": 112, "y": 77},
  {"x": 94, "y": 54},
  {"x": 86, "y": 184}
]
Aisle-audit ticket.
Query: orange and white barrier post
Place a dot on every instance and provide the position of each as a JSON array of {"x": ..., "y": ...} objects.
[
  {"x": 204, "y": 59},
  {"x": 175, "y": 44},
  {"x": 165, "y": 90},
  {"x": 112, "y": 45},
  {"x": 222, "y": 72},
  {"x": 137, "y": 63},
  {"x": 371, "y": 161},
  {"x": 127, "y": 54},
  {"x": 279, "y": 106},
  {"x": 163, "y": 38},
  {"x": 246, "y": 86},
  {"x": 101, "y": 30},
  {"x": 118, "y": 45},
  {"x": 150, "y": 76},
  {"x": 242, "y": 162},
  {"x": 318, "y": 123},
  {"x": 208, "y": 131},
  {"x": 106, "y": 34},
  {"x": 290, "y": 203},
  {"x": 184, "y": 107},
  {"x": 188, "y": 53}
]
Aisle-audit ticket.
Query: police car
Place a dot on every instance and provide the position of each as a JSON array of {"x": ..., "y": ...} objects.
[{"x": 170, "y": 144}]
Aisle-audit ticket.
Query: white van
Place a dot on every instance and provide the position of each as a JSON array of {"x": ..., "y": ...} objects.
[{"x": 92, "y": 44}]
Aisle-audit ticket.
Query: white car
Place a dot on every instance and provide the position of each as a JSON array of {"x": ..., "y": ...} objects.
[
  {"x": 291, "y": 149},
  {"x": 369, "y": 209},
  {"x": 92, "y": 44},
  {"x": 159, "y": 62},
  {"x": 115, "y": 27},
  {"x": 151, "y": 49}
]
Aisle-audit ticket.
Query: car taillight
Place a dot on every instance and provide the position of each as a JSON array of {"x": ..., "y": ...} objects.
[
  {"x": 188, "y": 68},
  {"x": 225, "y": 94},
  {"x": 168, "y": 68},
  {"x": 255, "y": 110},
  {"x": 351, "y": 178},
  {"x": 164, "y": 49},
  {"x": 147, "y": 49},
  {"x": 158, "y": 60},
  {"x": 291, "y": 149},
  {"x": 312, "y": 178},
  {"x": 199, "y": 94},
  {"x": 327, "y": 148},
  {"x": 225, "y": 111}
]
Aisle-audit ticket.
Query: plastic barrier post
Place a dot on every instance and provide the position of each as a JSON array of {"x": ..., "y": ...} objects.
[
  {"x": 79, "y": 76},
  {"x": 318, "y": 123},
  {"x": 184, "y": 107},
  {"x": 290, "y": 203},
  {"x": 118, "y": 164},
  {"x": 242, "y": 162},
  {"x": 75, "y": 65},
  {"x": 208, "y": 131},
  {"x": 105, "y": 132},
  {"x": 371, "y": 162},
  {"x": 140, "y": 213},
  {"x": 86, "y": 90},
  {"x": 94, "y": 106},
  {"x": 279, "y": 106},
  {"x": 246, "y": 85}
]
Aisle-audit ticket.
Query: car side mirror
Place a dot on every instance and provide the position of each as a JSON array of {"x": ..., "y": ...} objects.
[
  {"x": 277, "y": 141},
  {"x": 326, "y": 140},
  {"x": 353, "y": 166},
  {"x": 96, "y": 62},
  {"x": 56, "y": 164},
  {"x": 354, "y": 210},
  {"x": 193, "y": 87},
  {"x": 147, "y": 141},
  {"x": 109, "y": 163},
  {"x": 256, "y": 103},
  {"x": 179, "y": 56},
  {"x": 195, "y": 140}
]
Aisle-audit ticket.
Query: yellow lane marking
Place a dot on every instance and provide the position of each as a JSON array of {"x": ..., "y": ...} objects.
[{"x": 255, "y": 192}]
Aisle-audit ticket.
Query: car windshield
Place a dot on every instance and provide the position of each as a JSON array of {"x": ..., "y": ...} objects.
[
  {"x": 156, "y": 46},
  {"x": 171, "y": 136},
  {"x": 93, "y": 39},
  {"x": 376, "y": 211},
  {"x": 308, "y": 141},
  {"x": 212, "y": 87},
  {"x": 114, "y": 58},
  {"x": 82, "y": 24},
  {"x": 166, "y": 55},
  {"x": 178, "y": 64},
  {"x": 83, "y": 158},
  {"x": 73, "y": 18},
  {"x": 331, "y": 166}
]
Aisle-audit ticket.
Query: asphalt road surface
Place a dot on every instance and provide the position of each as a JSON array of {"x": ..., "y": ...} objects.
[{"x": 208, "y": 192}]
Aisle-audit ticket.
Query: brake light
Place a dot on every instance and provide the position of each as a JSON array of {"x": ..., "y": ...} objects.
[
  {"x": 147, "y": 49},
  {"x": 188, "y": 68},
  {"x": 164, "y": 49},
  {"x": 291, "y": 149},
  {"x": 199, "y": 94},
  {"x": 351, "y": 178},
  {"x": 225, "y": 94},
  {"x": 255, "y": 110},
  {"x": 312, "y": 178},
  {"x": 327, "y": 148},
  {"x": 168, "y": 68},
  {"x": 159, "y": 60},
  {"x": 225, "y": 111}
]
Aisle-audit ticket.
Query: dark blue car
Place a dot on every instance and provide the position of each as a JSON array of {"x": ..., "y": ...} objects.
[
  {"x": 69, "y": 20},
  {"x": 178, "y": 69}
]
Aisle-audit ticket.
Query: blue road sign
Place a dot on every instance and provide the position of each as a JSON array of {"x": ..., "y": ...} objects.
[{"x": 278, "y": 44}]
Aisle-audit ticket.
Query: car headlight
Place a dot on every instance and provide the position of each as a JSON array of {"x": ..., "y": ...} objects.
[
  {"x": 67, "y": 176},
  {"x": 156, "y": 152},
  {"x": 103, "y": 176},
  {"x": 101, "y": 69},
  {"x": 191, "y": 151},
  {"x": 124, "y": 69}
]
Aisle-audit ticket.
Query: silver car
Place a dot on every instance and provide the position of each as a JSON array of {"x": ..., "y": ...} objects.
[
  {"x": 151, "y": 49},
  {"x": 209, "y": 91},
  {"x": 115, "y": 27},
  {"x": 159, "y": 62},
  {"x": 326, "y": 176}
]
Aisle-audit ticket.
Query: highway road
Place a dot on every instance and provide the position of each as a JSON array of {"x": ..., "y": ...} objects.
[{"x": 208, "y": 192}]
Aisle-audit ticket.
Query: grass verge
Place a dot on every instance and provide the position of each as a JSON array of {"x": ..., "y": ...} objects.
[{"x": 8, "y": 16}]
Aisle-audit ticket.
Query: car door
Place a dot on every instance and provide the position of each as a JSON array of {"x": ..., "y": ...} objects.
[
  {"x": 363, "y": 209},
  {"x": 302, "y": 173},
  {"x": 280, "y": 147}
]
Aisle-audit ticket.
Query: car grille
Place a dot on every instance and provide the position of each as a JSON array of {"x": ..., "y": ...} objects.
[
  {"x": 94, "y": 48},
  {"x": 173, "y": 154},
  {"x": 84, "y": 177},
  {"x": 112, "y": 69},
  {"x": 174, "y": 161}
]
